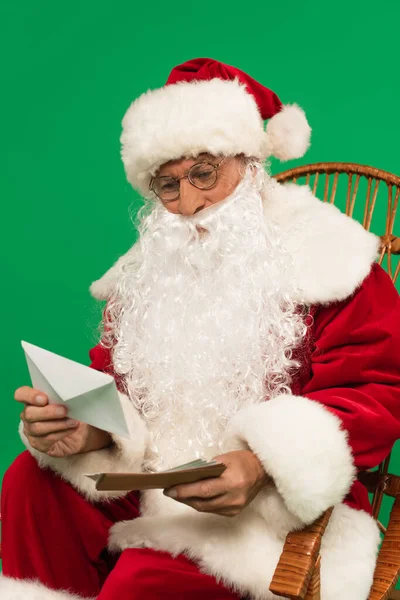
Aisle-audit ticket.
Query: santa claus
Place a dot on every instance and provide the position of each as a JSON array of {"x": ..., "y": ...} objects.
[{"x": 249, "y": 323}]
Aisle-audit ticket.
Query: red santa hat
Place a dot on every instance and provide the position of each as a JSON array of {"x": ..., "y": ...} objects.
[{"x": 207, "y": 106}]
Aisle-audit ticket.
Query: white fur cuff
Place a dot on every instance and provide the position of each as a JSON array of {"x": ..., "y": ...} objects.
[
  {"x": 125, "y": 455},
  {"x": 302, "y": 447}
]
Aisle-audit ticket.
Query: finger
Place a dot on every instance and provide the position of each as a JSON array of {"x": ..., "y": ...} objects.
[
  {"x": 227, "y": 513},
  {"x": 207, "y": 488},
  {"x": 220, "y": 505},
  {"x": 29, "y": 395},
  {"x": 46, "y": 428},
  {"x": 32, "y": 414},
  {"x": 44, "y": 443}
]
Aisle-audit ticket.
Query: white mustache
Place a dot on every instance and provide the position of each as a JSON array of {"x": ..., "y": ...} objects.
[{"x": 207, "y": 216}]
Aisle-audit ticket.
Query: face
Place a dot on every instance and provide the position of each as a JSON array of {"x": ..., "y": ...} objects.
[{"x": 191, "y": 199}]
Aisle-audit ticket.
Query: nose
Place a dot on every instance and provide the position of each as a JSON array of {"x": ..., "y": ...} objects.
[{"x": 191, "y": 199}]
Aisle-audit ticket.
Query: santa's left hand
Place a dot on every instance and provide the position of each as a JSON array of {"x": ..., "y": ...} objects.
[{"x": 228, "y": 494}]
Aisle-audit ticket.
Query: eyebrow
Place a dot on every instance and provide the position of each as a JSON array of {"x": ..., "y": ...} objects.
[{"x": 198, "y": 159}]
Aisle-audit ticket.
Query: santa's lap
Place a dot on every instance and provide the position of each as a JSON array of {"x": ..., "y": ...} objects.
[{"x": 51, "y": 533}]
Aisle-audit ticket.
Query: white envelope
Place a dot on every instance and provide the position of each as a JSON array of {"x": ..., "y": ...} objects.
[{"x": 91, "y": 396}]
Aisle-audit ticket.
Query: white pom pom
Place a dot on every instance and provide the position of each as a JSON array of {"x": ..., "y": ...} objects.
[{"x": 288, "y": 133}]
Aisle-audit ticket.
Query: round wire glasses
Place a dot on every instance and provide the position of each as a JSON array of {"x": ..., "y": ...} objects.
[{"x": 202, "y": 175}]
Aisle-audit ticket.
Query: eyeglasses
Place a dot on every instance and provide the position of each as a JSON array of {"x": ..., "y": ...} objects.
[{"x": 202, "y": 175}]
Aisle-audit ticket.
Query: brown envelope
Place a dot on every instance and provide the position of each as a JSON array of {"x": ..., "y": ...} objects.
[{"x": 151, "y": 481}]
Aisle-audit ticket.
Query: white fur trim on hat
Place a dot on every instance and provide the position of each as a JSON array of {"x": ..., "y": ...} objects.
[{"x": 217, "y": 116}]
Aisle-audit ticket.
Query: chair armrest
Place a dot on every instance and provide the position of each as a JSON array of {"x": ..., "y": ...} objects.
[
  {"x": 388, "y": 566},
  {"x": 298, "y": 559}
]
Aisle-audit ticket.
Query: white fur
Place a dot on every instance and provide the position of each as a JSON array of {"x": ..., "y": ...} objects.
[
  {"x": 349, "y": 551},
  {"x": 216, "y": 116},
  {"x": 186, "y": 119},
  {"x": 288, "y": 133},
  {"x": 102, "y": 288},
  {"x": 304, "y": 449},
  {"x": 243, "y": 552},
  {"x": 14, "y": 589},
  {"x": 331, "y": 253},
  {"x": 125, "y": 455}
]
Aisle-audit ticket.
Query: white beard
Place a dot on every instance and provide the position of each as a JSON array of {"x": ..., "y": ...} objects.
[{"x": 202, "y": 323}]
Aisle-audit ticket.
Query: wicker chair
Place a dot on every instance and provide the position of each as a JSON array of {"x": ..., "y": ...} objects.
[{"x": 297, "y": 575}]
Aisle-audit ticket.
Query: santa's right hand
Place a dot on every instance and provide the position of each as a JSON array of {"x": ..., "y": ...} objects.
[{"x": 44, "y": 424}]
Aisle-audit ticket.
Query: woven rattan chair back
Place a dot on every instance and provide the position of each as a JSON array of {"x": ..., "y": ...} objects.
[
  {"x": 362, "y": 190},
  {"x": 380, "y": 189}
]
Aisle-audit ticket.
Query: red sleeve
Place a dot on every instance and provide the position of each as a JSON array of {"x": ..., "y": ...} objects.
[
  {"x": 101, "y": 359},
  {"x": 100, "y": 356},
  {"x": 355, "y": 366}
]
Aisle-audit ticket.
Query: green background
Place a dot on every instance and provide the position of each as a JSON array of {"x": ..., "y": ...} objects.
[{"x": 69, "y": 70}]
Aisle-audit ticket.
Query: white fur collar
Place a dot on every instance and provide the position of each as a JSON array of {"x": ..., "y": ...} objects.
[{"x": 332, "y": 254}]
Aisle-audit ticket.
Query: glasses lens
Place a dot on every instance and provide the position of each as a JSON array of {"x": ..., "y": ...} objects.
[
  {"x": 203, "y": 176},
  {"x": 166, "y": 188}
]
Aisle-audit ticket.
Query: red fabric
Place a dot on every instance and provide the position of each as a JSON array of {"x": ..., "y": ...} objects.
[
  {"x": 101, "y": 360},
  {"x": 351, "y": 365},
  {"x": 204, "y": 69},
  {"x": 53, "y": 534},
  {"x": 356, "y": 367},
  {"x": 355, "y": 371},
  {"x": 143, "y": 574}
]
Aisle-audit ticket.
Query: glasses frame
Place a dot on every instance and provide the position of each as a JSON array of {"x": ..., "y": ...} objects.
[{"x": 188, "y": 177}]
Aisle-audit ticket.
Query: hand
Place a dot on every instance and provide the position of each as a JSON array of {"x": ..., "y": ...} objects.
[
  {"x": 228, "y": 494},
  {"x": 50, "y": 431}
]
